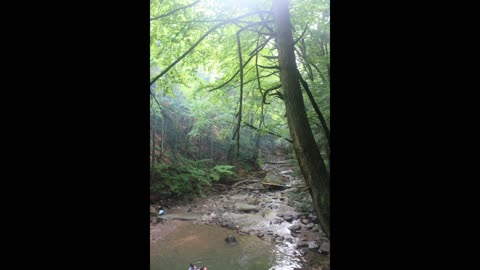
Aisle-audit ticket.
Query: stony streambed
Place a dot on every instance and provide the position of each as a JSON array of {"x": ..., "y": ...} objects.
[{"x": 251, "y": 208}]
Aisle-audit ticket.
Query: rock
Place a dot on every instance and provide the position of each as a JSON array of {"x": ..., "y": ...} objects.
[
  {"x": 289, "y": 239},
  {"x": 154, "y": 220},
  {"x": 312, "y": 245},
  {"x": 301, "y": 244},
  {"x": 270, "y": 232},
  {"x": 243, "y": 207},
  {"x": 153, "y": 210},
  {"x": 305, "y": 221},
  {"x": 286, "y": 172},
  {"x": 274, "y": 178},
  {"x": 293, "y": 214},
  {"x": 287, "y": 217},
  {"x": 231, "y": 239},
  {"x": 279, "y": 240},
  {"x": 309, "y": 226},
  {"x": 213, "y": 216},
  {"x": 303, "y": 251},
  {"x": 229, "y": 225},
  {"x": 324, "y": 248},
  {"x": 204, "y": 218},
  {"x": 277, "y": 221},
  {"x": 260, "y": 234},
  {"x": 295, "y": 227}
]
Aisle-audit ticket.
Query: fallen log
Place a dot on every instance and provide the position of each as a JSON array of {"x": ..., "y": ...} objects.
[
  {"x": 275, "y": 185},
  {"x": 277, "y": 162},
  {"x": 245, "y": 181}
]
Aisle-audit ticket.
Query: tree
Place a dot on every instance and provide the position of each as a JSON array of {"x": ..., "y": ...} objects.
[
  {"x": 236, "y": 42},
  {"x": 308, "y": 155}
]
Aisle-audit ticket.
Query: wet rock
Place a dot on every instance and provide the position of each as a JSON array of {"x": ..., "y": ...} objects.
[
  {"x": 231, "y": 239},
  {"x": 313, "y": 218},
  {"x": 303, "y": 251},
  {"x": 289, "y": 239},
  {"x": 305, "y": 221},
  {"x": 324, "y": 248},
  {"x": 270, "y": 232},
  {"x": 279, "y": 239},
  {"x": 243, "y": 207},
  {"x": 287, "y": 172},
  {"x": 287, "y": 217},
  {"x": 293, "y": 214},
  {"x": 312, "y": 245},
  {"x": 277, "y": 221},
  {"x": 295, "y": 227},
  {"x": 274, "y": 178},
  {"x": 309, "y": 226},
  {"x": 301, "y": 244},
  {"x": 260, "y": 234},
  {"x": 229, "y": 225}
]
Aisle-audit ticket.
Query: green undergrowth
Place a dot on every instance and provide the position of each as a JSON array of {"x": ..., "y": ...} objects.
[{"x": 185, "y": 177}]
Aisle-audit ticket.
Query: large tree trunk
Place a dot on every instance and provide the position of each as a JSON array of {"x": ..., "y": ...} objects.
[{"x": 308, "y": 155}]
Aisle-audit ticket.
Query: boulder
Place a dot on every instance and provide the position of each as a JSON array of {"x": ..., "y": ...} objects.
[
  {"x": 243, "y": 207},
  {"x": 301, "y": 244},
  {"x": 309, "y": 226},
  {"x": 324, "y": 248},
  {"x": 231, "y": 239},
  {"x": 305, "y": 221},
  {"x": 295, "y": 227},
  {"x": 312, "y": 245}
]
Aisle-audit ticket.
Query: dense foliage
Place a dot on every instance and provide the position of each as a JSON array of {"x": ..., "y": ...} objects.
[{"x": 216, "y": 93}]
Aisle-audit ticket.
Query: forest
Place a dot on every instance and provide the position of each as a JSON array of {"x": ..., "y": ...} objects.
[{"x": 240, "y": 117}]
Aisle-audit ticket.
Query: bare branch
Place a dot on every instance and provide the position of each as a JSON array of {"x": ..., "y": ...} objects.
[
  {"x": 269, "y": 67},
  {"x": 303, "y": 33},
  {"x": 274, "y": 57},
  {"x": 173, "y": 11},
  {"x": 266, "y": 131}
]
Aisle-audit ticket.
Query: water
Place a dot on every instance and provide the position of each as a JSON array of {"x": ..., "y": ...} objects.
[{"x": 205, "y": 245}]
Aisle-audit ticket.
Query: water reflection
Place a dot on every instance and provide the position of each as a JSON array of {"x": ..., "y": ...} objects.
[{"x": 205, "y": 245}]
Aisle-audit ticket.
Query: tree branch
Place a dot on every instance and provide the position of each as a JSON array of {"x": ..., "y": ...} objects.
[
  {"x": 200, "y": 40},
  {"x": 266, "y": 131},
  {"x": 269, "y": 67},
  {"x": 268, "y": 90},
  {"x": 303, "y": 33},
  {"x": 173, "y": 11}
]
